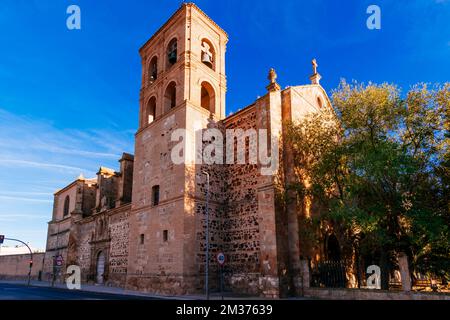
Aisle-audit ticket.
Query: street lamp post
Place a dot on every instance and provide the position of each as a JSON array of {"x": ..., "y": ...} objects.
[
  {"x": 207, "y": 236},
  {"x": 31, "y": 257}
]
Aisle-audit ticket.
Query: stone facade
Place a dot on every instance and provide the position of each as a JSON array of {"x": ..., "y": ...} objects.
[
  {"x": 90, "y": 219},
  {"x": 144, "y": 227}
]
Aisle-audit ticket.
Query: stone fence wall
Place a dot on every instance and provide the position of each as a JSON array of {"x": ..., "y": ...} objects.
[
  {"x": 369, "y": 294},
  {"x": 17, "y": 266},
  {"x": 366, "y": 294}
]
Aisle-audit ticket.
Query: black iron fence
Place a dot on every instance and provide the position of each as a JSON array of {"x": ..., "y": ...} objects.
[{"x": 329, "y": 274}]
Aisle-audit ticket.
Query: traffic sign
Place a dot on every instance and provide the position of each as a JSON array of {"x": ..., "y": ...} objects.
[
  {"x": 2, "y": 238},
  {"x": 59, "y": 261},
  {"x": 221, "y": 258}
]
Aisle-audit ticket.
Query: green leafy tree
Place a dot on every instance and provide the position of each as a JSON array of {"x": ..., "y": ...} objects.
[{"x": 380, "y": 167}]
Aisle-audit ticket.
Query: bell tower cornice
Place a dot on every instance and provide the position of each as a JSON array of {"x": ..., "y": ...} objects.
[{"x": 183, "y": 12}]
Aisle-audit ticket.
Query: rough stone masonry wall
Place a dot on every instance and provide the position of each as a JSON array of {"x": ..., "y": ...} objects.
[
  {"x": 234, "y": 219},
  {"x": 217, "y": 193},
  {"x": 241, "y": 237},
  {"x": 57, "y": 243},
  {"x": 118, "y": 252},
  {"x": 83, "y": 250},
  {"x": 90, "y": 240}
]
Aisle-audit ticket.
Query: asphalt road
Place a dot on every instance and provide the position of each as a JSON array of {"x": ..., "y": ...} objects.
[{"x": 22, "y": 292}]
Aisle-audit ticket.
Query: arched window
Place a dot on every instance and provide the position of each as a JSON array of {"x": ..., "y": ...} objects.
[
  {"x": 208, "y": 99},
  {"x": 66, "y": 206},
  {"x": 149, "y": 112},
  {"x": 153, "y": 70},
  {"x": 170, "y": 96},
  {"x": 319, "y": 102},
  {"x": 172, "y": 53},
  {"x": 208, "y": 55}
]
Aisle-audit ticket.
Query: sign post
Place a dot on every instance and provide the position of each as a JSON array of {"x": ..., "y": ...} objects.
[
  {"x": 221, "y": 261},
  {"x": 58, "y": 261}
]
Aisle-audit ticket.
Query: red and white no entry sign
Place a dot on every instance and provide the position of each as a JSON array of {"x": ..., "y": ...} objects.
[
  {"x": 221, "y": 258},
  {"x": 59, "y": 260}
]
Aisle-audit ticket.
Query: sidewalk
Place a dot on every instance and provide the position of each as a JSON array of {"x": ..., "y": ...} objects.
[{"x": 121, "y": 291}]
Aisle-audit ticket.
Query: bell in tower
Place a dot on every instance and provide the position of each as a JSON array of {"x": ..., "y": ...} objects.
[
  {"x": 153, "y": 72},
  {"x": 207, "y": 56},
  {"x": 172, "y": 52}
]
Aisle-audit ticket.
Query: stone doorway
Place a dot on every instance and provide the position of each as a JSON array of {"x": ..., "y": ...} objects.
[{"x": 100, "y": 267}]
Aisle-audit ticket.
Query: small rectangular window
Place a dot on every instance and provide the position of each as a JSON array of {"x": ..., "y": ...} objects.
[
  {"x": 142, "y": 239},
  {"x": 155, "y": 195},
  {"x": 165, "y": 235}
]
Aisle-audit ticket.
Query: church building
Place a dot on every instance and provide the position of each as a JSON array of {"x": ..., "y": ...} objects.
[{"x": 144, "y": 226}]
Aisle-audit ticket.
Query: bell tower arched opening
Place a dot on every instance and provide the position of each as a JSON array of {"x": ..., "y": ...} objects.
[
  {"x": 153, "y": 70},
  {"x": 172, "y": 53},
  {"x": 208, "y": 97},
  {"x": 170, "y": 96},
  {"x": 208, "y": 55},
  {"x": 149, "y": 112}
]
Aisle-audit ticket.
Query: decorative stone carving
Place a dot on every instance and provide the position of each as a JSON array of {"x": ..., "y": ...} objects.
[
  {"x": 273, "y": 85},
  {"x": 104, "y": 203}
]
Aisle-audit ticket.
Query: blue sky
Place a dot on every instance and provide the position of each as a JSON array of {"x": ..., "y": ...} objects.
[{"x": 69, "y": 99}]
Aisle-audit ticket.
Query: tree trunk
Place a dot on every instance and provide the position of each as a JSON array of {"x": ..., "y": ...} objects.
[{"x": 384, "y": 265}]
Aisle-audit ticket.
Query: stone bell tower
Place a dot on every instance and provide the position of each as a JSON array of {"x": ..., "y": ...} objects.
[
  {"x": 183, "y": 87},
  {"x": 184, "y": 62}
]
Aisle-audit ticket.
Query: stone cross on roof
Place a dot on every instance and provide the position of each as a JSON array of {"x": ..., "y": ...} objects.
[
  {"x": 315, "y": 78},
  {"x": 315, "y": 65},
  {"x": 272, "y": 75}
]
